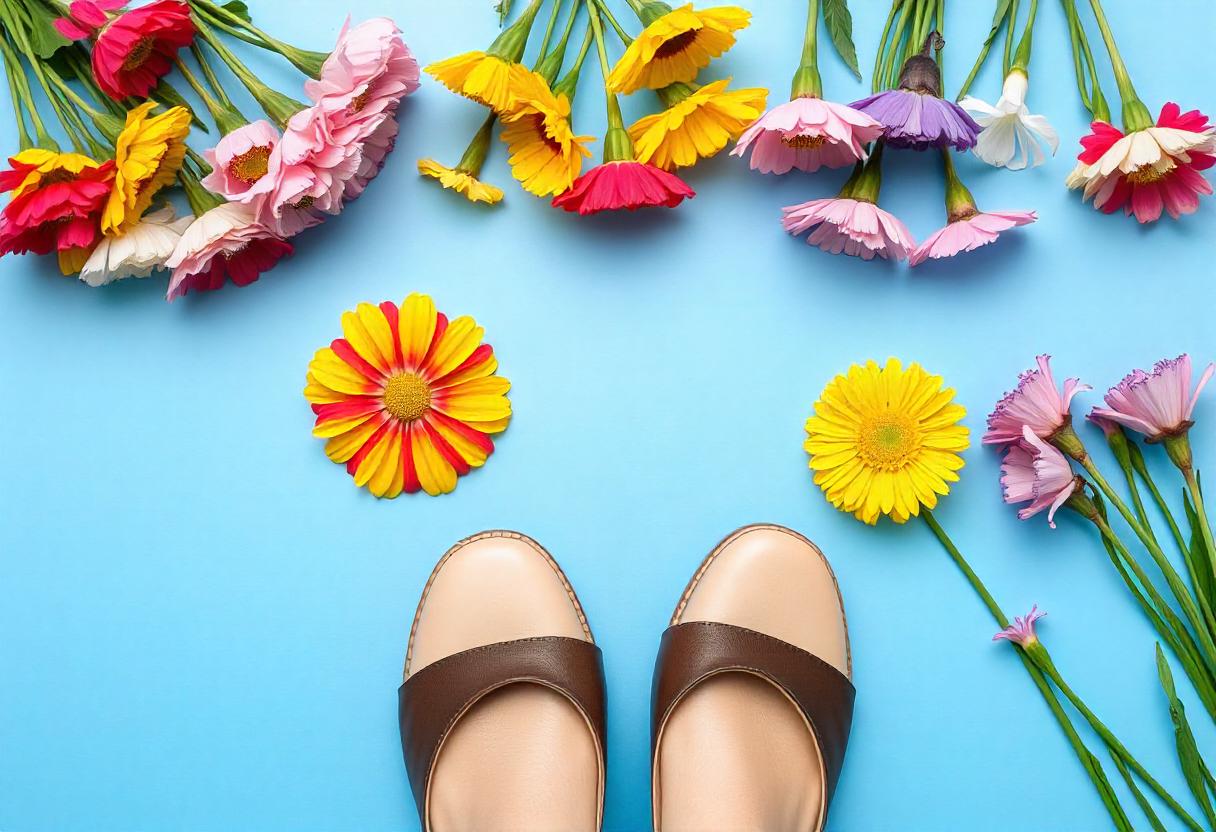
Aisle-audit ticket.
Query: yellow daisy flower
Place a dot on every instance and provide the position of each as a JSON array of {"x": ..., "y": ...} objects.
[
  {"x": 675, "y": 46},
  {"x": 697, "y": 124},
  {"x": 544, "y": 154},
  {"x": 147, "y": 156},
  {"x": 488, "y": 79},
  {"x": 886, "y": 440},
  {"x": 462, "y": 182}
]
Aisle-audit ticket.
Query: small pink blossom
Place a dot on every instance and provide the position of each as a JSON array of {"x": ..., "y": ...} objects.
[
  {"x": 1036, "y": 473},
  {"x": 807, "y": 133},
  {"x": 240, "y": 163},
  {"x": 1021, "y": 631},
  {"x": 367, "y": 73},
  {"x": 969, "y": 233},
  {"x": 1036, "y": 403},
  {"x": 1107, "y": 427},
  {"x": 1157, "y": 404},
  {"x": 849, "y": 226}
]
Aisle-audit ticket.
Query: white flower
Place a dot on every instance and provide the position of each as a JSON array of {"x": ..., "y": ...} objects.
[
  {"x": 1145, "y": 154},
  {"x": 1009, "y": 128},
  {"x": 144, "y": 247}
]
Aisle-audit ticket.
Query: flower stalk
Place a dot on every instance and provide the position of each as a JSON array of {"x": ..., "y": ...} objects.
[
  {"x": 807, "y": 81},
  {"x": 1136, "y": 115},
  {"x": 277, "y": 106},
  {"x": 618, "y": 147}
]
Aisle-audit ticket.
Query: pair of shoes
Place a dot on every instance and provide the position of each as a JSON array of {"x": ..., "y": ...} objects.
[{"x": 502, "y": 708}]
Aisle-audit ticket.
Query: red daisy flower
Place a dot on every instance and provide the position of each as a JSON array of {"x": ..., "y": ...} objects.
[
  {"x": 623, "y": 184},
  {"x": 56, "y": 205},
  {"x": 134, "y": 49}
]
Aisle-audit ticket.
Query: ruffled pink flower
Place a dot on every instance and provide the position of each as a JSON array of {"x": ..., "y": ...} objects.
[
  {"x": 375, "y": 150},
  {"x": 308, "y": 171},
  {"x": 807, "y": 133},
  {"x": 969, "y": 233},
  {"x": 1157, "y": 404},
  {"x": 849, "y": 226},
  {"x": 368, "y": 73},
  {"x": 1021, "y": 631},
  {"x": 1036, "y": 404},
  {"x": 240, "y": 163},
  {"x": 225, "y": 243},
  {"x": 1036, "y": 473}
]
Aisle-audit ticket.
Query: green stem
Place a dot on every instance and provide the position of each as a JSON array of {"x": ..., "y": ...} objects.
[
  {"x": 1205, "y": 528},
  {"x": 549, "y": 63},
  {"x": 307, "y": 62},
  {"x": 224, "y": 120},
  {"x": 550, "y": 27},
  {"x": 1088, "y": 761},
  {"x": 612, "y": 21},
  {"x": 475, "y": 154},
  {"x": 1043, "y": 659},
  {"x": 807, "y": 81},
  {"x": 280, "y": 108},
  {"x": 1013, "y": 19},
  {"x": 985, "y": 49},
  {"x": 889, "y": 69},
  {"x": 618, "y": 147},
  {"x": 569, "y": 83},
  {"x": 1135, "y": 114},
  {"x": 882, "y": 44},
  {"x": 23, "y": 137},
  {"x": 1021, "y": 58},
  {"x": 1186, "y": 602},
  {"x": 213, "y": 82}
]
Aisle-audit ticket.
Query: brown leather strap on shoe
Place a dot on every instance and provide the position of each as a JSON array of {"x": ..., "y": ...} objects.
[
  {"x": 694, "y": 651},
  {"x": 434, "y": 698}
]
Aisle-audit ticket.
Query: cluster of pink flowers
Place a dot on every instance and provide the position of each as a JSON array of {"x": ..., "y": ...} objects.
[
  {"x": 1033, "y": 422},
  {"x": 275, "y": 184}
]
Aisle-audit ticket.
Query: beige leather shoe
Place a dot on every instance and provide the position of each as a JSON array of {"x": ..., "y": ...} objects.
[
  {"x": 502, "y": 705},
  {"x": 752, "y": 693}
]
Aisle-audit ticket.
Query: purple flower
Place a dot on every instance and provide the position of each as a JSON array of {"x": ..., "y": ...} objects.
[
  {"x": 915, "y": 116},
  {"x": 1021, "y": 631}
]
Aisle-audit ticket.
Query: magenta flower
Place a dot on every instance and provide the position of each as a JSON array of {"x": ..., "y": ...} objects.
[
  {"x": 807, "y": 133},
  {"x": 1036, "y": 473},
  {"x": 1036, "y": 404},
  {"x": 1021, "y": 631},
  {"x": 1157, "y": 404},
  {"x": 849, "y": 226},
  {"x": 969, "y": 233}
]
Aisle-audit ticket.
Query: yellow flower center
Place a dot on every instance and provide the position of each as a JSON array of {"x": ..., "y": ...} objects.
[
  {"x": 676, "y": 45},
  {"x": 888, "y": 441},
  {"x": 251, "y": 165},
  {"x": 139, "y": 53},
  {"x": 407, "y": 396},
  {"x": 1147, "y": 175},
  {"x": 803, "y": 142}
]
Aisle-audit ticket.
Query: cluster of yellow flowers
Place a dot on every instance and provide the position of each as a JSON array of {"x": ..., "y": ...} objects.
[{"x": 545, "y": 154}]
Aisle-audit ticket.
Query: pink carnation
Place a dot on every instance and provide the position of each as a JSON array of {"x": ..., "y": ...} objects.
[
  {"x": 849, "y": 226},
  {"x": 375, "y": 150},
  {"x": 367, "y": 74},
  {"x": 225, "y": 243},
  {"x": 969, "y": 233},
  {"x": 1157, "y": 404},
  {"x": 807, "y": 133},
  {"x": 1036, "y": 403},
  {"x": 1036, "y": 473},
  {"x": 1021, "y": 631}
]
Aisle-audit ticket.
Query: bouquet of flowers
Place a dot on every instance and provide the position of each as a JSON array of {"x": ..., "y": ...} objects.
[
  {"x": 103, "y": 69},
  {"x": 887, "y": 441},
  {"x": 533, "y": 105}
]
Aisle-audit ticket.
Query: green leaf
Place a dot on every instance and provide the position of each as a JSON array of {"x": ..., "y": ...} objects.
[
  {"x": 1145, "y": 806},
  {"x": 839, "y": 22},
  {"x": 1197, "y": 558},
  {"x": 238, "y": 8},
  {"x": 44, "y": 37},
  {"x": 1193, "y": 766}
]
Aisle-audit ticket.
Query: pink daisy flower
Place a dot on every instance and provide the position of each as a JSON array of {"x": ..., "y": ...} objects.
[
  {"x": 1157, "y": 404},
  {"x": 1036, "y": 404},
  {"x": 375, "y": 151},
  {"x": 807, "y": 133},
  {"x": 1036, "y": 473},
  {"x": 225, "y": 243},
  {"x": 368, "y": 73},
  {"x": 968, "y": 233},
  {"x": 1021, "y": 631},
  {"x": 240, "y": 162},
  {"x": 849, "y": 226}
]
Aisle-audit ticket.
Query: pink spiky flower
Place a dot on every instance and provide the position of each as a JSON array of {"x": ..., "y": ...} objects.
[
  {"x": 1037, "y": 473},
  {"x": 1036, "y": 404},
  {"x": 1157, "y": 404},
  {"x": 1021, "y": 631}
]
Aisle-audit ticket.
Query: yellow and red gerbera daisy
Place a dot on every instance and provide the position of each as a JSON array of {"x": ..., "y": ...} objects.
[{"x": 407, "y": 399}]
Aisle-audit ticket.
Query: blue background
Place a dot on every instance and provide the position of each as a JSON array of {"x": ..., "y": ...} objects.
[{"x": 202, "y": 620}]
